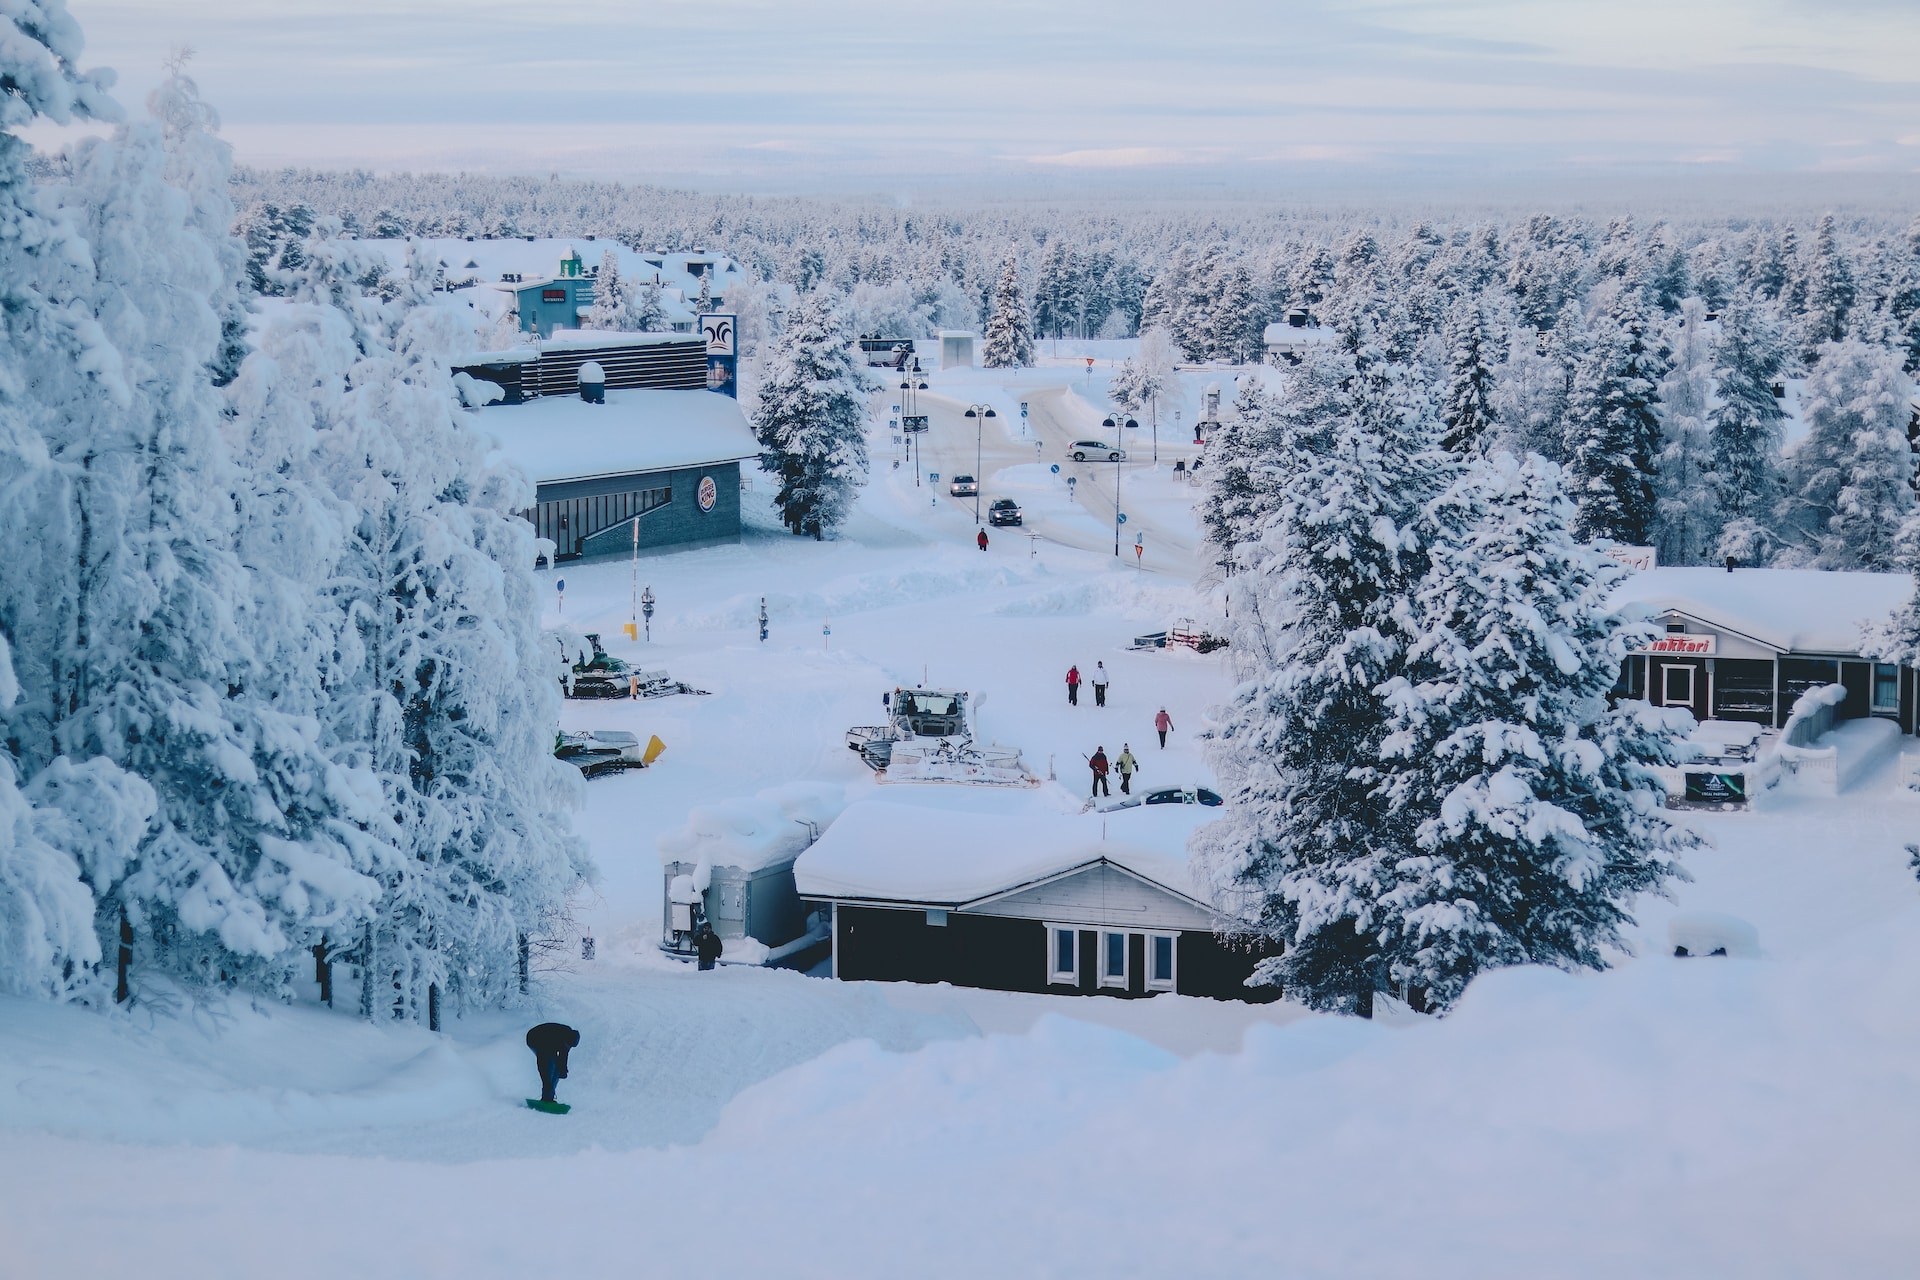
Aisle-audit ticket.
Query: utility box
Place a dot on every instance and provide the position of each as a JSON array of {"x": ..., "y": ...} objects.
[{"x": 956, "y": 349}]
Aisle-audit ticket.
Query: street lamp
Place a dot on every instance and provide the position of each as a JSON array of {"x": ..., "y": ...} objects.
[
  {"x": 1116, "y": 425},
  {"x": 646, "y": 611},
  {"x": 979, "y": 413},
  {"x": 911, "y": 420}
]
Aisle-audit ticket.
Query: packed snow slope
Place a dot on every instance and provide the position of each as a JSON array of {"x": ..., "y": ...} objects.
[{"x": 1750, "y": 1115}]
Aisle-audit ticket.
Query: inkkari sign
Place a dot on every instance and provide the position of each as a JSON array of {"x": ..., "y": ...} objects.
[
  {"x": 1690, "y": 646},
  {"x": 1717, "y": 788}
]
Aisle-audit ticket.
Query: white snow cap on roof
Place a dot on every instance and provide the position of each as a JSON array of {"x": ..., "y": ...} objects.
[
  {"x": 1791, "y": 610},
  {"x": 752, "y": 832},
  {"x": 559, "y": 438},
  {"x": 892, "y": 851}
]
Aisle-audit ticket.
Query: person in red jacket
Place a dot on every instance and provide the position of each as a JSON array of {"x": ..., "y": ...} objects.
[
  {"x": 1163, "y": 722},
  {"x": 1099, "y": 765},
  {"x": 1073, "y": 686},
  {"x": 981, "y": 538}
]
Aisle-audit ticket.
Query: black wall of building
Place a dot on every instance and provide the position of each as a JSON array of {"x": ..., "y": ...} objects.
[
  {"x": 889, "y": 944},
  {"x": 677, "y": 522}
]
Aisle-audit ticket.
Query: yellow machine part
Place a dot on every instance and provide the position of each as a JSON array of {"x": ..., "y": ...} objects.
[
  {"x": 654, "y": 748},
  {"x": 632, "y": 629}
]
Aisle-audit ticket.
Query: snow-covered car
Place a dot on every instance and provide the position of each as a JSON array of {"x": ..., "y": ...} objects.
[
  {"x": 963, "y": 487},
  {"x": 1084, "y": 449},
  {"x": 1167, "y": 795},
  {"x": 1003, "y": 511}
]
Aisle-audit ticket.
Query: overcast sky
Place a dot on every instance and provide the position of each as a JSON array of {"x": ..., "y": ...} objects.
[{"x": 782, "y": 93}]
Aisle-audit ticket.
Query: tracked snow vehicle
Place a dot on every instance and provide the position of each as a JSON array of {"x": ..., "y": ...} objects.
[
  {"x": 604, "y": 676},
  {"x": 928, "y": 737}
]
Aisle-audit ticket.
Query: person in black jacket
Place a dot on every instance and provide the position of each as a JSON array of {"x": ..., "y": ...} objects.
[
  {"x": 707, "y": 944},
  {"x": 550, "y": 1042}
]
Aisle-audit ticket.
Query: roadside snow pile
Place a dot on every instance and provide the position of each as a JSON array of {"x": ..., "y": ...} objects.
[{"x": 751, "y": 832}]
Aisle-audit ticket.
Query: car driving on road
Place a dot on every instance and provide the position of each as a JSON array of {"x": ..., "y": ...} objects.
[
  {"x": 963, "y": 487},
  {"x": 1003, "y": 511},
  {"x": 1084, "y": 449}
]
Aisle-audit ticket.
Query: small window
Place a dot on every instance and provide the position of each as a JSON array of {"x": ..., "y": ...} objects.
[
  {"x": 937, "y": 916},
  {"x": 553, "y": 295},
  {"x": 1161, "y": 949},
  {"x": 1676, "y": 628},
  {"x": 1063, "y": 955},
  {"x": 1886, "y": 687},
  {"x": 1113, "y": 959}
]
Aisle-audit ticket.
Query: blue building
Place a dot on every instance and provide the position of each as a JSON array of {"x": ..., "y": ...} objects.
[{"x": 556, "y": 303}]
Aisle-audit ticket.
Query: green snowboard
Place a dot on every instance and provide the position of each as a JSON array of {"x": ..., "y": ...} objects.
[{"x": 551, "y": 1108}]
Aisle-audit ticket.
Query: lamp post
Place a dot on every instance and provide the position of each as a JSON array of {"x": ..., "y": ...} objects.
[
  {"x": 910, "y": 419},
  {"x": 979, "y": 413},
  {"x": 1117, "y": 425},
  {"x": 646, "y": 611}
]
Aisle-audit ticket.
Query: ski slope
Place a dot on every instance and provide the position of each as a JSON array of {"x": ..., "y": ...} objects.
[{"x": 1669, "y": 1118}]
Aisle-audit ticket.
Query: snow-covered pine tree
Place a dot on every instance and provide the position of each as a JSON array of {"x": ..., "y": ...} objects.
[
  {"x": 1528, "y": 809},
  {"x": 1613, "y": 432},
  {"x": 1466, "y": 405},
  {"x": 1009, "y": 342},
  {"x": 612, "y": 307},
  {"x": 1746, "y": 432},
  {"x": 1850, "y": 478},
  {"x": 649, "y": 312},
  {"x": 811, "y": 418},
  {"x": 1687, "y": 519},
  {"x": 1830, "y": 291},
  {"x": 1237, "y": 321},
  {"x": 1303, "y": 849},
  {"x": 1053, "y": 290},
  {"x": 1243, "y": 479},
  {"x": 1123, "y": 388}
]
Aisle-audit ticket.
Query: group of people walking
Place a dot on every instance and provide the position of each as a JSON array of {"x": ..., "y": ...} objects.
[
  {"x": 1125, "y": 765},
  {"x": 1098, "y": 680}
]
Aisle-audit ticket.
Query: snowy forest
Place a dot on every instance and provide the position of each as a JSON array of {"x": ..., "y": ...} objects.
[{"x": 271, "y": 680}]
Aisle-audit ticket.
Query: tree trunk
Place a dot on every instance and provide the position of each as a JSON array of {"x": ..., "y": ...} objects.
[
  {"x": 323, "y": 973},
  {"x": 1363, "y": 1003},
  {"x": 120, "y": 990}
]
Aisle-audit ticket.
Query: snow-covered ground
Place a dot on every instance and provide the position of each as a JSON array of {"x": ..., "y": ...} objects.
[{"x": 1741, "y": 1116}]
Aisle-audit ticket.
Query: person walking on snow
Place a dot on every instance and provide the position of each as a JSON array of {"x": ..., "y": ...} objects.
[
  {"x": 1099, "y": 684},
  {"x": 1073, "y": 686},
  {"x": 1126, "y": 765},
  {"x": 1163, "y": 722},
  {"x": 550, "y": 1042},
  {"x": 981, "y": 538},
  {"x": 707, "y": 946},
  {"x": 1098, "y": 763}
]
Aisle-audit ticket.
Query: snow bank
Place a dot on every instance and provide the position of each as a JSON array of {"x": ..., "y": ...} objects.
[{"x": 752, "y": 832}]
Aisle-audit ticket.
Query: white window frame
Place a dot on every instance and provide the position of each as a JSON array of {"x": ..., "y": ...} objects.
[
  {"x": 1056, "y": 976},
  {"x": 1172, "y": 981},
  {"x": 1667, "y": 671},
  {"x": 1874, "y": 699},
  {"x": 1118, "y": 982}
]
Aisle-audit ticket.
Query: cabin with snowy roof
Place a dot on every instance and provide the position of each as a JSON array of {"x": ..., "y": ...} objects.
[{"x": 1092, "y": 904}]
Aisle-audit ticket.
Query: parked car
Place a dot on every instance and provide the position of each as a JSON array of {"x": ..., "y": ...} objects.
[
  {"x": 963, "y": 487},
  {"x": 1003, "y": 511},
  {"x": 1166, "y": 795},
  {"x": 1084, "y": 449}
]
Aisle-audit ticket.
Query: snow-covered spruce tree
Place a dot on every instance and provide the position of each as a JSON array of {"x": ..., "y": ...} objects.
[
  {"x": 1528, "y": 809},
  {"x": 1009, "y": 342},
  {"x": 1613, "y": 434},
  {"x": 1850, "y": 478},
  {"x": 1686, "y": 516},
  {"x": 649, "y": 312},
  {"x": 1745, "y": 433},
  {"x": 1243, "y": 480},
  {"x": 1830, "y": 292},
  {"x": 1305, "y": 848},
  {"x": 441, "y": 686},
  {"x": 612, "y": 307},
  {"x": 1466, "y": 406},
  {"x": 811, "y": 419}
]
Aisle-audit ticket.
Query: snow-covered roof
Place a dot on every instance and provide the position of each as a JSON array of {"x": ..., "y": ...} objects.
[
  {"x": 753, "y": 832},
  {"x": 558, "y": 438},
  {"x": 1280, "y": 333},
  {"x": 538, "y": 260},
  {"x": 1790, "y": 610},
  {"x": 884, "y": 850}
]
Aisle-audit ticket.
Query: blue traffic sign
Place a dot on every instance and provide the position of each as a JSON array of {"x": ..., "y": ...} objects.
[
  {"x": 1056, "y": 468},
  {"x": 561, "y": 585},
  {"x": 1122, "y": 517}
]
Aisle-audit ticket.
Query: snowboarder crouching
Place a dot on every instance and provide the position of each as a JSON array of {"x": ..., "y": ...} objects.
[
  {"x": 1098, "y": 763},
  {"x": 706, "y": 944},
  {"x": 1126, "y": 765},
  {"x": 550, "y": 1042}
]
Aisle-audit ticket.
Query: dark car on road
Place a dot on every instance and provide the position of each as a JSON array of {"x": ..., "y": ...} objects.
[{"x": 1003, "y": 511}]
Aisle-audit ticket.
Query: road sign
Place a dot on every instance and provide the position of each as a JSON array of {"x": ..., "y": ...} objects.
[
  {"x": 933, "y": 477},
  {"x": 1023, "y": 408},
  {"x": 1056, "y": 468},
  {"x": 1122, "y": 517}
]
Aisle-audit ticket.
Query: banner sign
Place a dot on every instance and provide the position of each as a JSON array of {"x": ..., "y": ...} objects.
[
  {"x": 1692, "y": 646},
  {"x": 1717, "y": 788},
  {"x": 723, "y": 357}
]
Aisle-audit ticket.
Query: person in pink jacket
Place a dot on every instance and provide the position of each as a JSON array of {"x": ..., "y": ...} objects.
[{"x": 1163, "y": 722}]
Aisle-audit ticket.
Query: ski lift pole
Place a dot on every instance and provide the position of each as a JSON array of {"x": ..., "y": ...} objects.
[{"x": 633, "y": 617}]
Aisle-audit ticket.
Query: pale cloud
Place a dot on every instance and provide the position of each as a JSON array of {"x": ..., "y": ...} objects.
[{"x": 856, "y": 89}]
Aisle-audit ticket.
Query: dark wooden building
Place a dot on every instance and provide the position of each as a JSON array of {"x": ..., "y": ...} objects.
[{"x": 1039, "y": 903}]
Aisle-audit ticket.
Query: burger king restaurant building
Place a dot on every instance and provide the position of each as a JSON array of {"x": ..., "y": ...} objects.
[{"x": 1745, "y": 645}]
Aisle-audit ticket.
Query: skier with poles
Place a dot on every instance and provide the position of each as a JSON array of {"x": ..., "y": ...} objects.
[{"x": 1098, "y": 763}]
